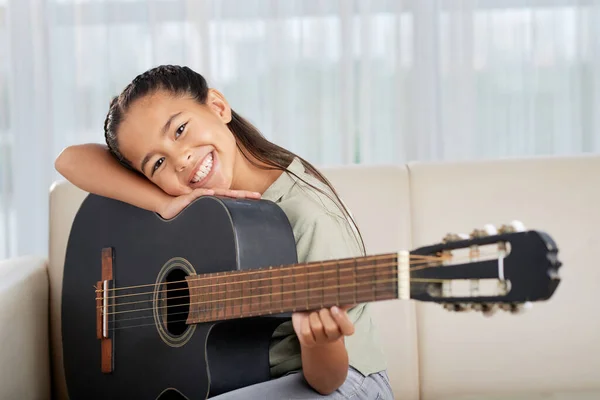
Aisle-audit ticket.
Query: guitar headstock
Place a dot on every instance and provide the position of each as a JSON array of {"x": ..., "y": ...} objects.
[{"x": 505, "y": 268}]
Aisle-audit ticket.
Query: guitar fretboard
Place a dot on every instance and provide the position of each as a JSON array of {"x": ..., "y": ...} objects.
[{"x": 300, "y": 287}]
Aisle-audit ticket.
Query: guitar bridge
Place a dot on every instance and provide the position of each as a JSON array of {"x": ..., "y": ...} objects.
[{"x": 104, "y": 316}]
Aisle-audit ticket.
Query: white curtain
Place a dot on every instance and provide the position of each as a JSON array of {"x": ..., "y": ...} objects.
[{"x": 338, "y": 81}]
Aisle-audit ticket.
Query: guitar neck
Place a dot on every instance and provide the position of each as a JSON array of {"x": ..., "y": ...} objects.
[{"x": 299, "y": 287}]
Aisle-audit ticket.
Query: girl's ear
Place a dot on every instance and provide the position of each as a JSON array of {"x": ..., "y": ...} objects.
[{"x": 218, "y": 104}]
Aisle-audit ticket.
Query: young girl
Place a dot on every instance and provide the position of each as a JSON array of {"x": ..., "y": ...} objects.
[{"x": 171, "y": 139}]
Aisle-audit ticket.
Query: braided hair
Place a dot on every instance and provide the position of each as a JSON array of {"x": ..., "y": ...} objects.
[{"x": 183, "y": 81}]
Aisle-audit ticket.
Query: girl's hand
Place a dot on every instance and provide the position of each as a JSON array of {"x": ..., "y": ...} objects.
[
  {"x": 174, "y": 205},
  {"x": 326, "y": 326}
]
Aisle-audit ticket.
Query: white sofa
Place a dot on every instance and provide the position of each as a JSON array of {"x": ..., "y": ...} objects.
[{"x": 550, "y": 352}]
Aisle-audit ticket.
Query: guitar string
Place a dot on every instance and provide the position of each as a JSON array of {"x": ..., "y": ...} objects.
[
  {"x": 269, "y": 278},
  {"x": 287, "y": 292},
  {"x": 271, "y": 311},
  {"x": 213, "y": 276},
  {"x": 306, "y": 298},
  {"x": 255, "y": 280},
  {"x": 289, "y": 268}
]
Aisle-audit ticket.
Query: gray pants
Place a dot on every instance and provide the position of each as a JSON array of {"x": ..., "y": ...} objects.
[{"x": 294, "y": 387}]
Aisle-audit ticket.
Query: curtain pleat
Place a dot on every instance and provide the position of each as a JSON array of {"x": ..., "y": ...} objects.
[{"x": 337, "y": 81}]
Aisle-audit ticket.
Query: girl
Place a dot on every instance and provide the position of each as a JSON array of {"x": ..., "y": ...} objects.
[{"x": 170, "y": 139}]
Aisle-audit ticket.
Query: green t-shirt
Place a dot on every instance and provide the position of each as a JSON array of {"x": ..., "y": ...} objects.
[{"x": 322, "y": 232}]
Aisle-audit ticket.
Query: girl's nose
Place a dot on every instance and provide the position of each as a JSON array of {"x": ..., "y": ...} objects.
[{"x": 184, "y": 161}]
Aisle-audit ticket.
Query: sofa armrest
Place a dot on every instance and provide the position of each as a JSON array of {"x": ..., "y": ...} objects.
[{"x": 24, "y": 348}]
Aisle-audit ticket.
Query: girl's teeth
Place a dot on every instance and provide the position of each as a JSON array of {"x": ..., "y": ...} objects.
[{"x": 204, "y": 169}]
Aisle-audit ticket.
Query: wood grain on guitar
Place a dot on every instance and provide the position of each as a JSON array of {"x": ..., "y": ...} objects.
[{"x": 301, "y": 287}]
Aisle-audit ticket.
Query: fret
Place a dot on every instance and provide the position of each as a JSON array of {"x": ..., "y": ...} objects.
[
  {"x": 330, "y": 291},
  {"x": 345, "y": 287},
  {"x": 294, "y": 291},
  {"x": 228, "y": 300},
  {"x": 263, "y": 285},
  {"x": 254, "y": 300},
  {"x": 301, "y": 287},
  {"x": 276, "y": 288},
  {"x": 354, "y": 281},
  {"x": 287, "y": 301},
  {"x": 245, "y": 301},
  {"x": 237, "y": 295},
  {"x": 222, "y": 290},
  {"x": 194, "y": 312},
  {"x": 312, "y": 287},
  {"x": 339, "y": 283},
  {"x": 365, "y": 272},
  {"x": 214, "y": 310},
  {"x": 203, "y": 290},
  {"x": 388, "y": 277},
  {"x": 374, "y": 280},
  {"x": 270, "y": 308},
  {"x": 216, "y": 302}
]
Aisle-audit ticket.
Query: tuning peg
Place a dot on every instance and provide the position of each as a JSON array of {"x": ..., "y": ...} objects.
[
  {"x": 490, "y": 229},
  {"x": 521, "y": 308},
  {"x": 477, "y": 233},
  {"x": 455, "y": 237},
  {"x": 489, "y": 309},
  {"x": 458, "y": 307},
  {"x": 518, "y": 226},
  {"x": 514, "y": 226}
]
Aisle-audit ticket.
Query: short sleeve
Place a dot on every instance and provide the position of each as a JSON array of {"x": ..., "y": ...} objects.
[{"x": 324, "y": 236}]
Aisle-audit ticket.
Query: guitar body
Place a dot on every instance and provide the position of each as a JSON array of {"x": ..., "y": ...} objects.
[{"x": 153, "y": 355}]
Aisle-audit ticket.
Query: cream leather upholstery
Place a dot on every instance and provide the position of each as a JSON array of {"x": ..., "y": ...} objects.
[
  {"x": 555, "y": 347},
  {"x": 551, "y": 352},
  {"x": 24, "y": 357},
  {"x": 65, "y": 200}
]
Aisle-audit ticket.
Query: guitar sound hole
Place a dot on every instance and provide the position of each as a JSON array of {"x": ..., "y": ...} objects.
[{"x": 176, "y": 297}]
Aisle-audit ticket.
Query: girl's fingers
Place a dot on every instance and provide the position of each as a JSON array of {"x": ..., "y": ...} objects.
[
  {"x": 307, "y": 336},
  {"x": 316, "y": 326},
  {"x": 237, "y": 194},
  {"x": 343, "y": 321},
  {"x": 330, "y": 327},
  {"x": 202, "y": 192}
]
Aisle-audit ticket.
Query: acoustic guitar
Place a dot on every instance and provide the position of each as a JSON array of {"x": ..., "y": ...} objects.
[{"x": 185, "y": 308}]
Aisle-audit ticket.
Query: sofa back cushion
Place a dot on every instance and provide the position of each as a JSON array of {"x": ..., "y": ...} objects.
[
  {"x": 552, "y": 347},
  {"x": 378, "y": 198}
]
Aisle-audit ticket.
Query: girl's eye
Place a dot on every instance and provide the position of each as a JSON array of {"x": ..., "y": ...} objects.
[
  {"x": 180, "y": 130},
  {"x": 157, "y": 164}
]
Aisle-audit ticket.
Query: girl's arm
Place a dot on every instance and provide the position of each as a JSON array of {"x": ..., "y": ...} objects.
[
  {"x": 93, "y": 169},
  {"x": 324, "y": 356}
]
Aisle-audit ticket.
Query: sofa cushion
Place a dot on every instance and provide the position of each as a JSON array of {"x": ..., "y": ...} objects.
[
  {"x": 25, "y": 367},
  {"x": 569, "y": 395},
  {"x": 65, "y": 200},
  {"x": 553, "y": 347},
  {"x": 378, "y": 198}
]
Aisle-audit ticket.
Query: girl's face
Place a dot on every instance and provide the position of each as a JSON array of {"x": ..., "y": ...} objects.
[{"x": 179, "y": 144}]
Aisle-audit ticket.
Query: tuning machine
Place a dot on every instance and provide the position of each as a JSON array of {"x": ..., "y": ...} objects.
[
  {"x": 455, "y": 237},
  {"x": 514, "y": 226},
  {"x": 457, "y": 307},
  {"x": 518, "y": 308}
]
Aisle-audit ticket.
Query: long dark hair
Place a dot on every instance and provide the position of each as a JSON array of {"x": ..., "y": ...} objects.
[{"x": 180, "y": 80}]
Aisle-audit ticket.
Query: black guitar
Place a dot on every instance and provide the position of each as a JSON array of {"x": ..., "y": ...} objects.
[{"x": 185, "y": 308}]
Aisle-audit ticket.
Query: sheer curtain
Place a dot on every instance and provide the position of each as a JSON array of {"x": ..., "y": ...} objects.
[{"x": 380, "y": 81}]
